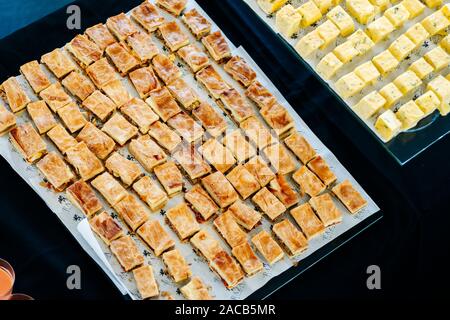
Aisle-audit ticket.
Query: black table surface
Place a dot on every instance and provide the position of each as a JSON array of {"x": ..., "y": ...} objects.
[{"x": 409, "y": 244}]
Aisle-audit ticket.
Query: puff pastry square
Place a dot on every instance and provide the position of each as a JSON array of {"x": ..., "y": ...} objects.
[
  {"x": 195, "y": 290},
  {"x": 106, "y": 227},
  {"x": 142, "y": 46},
  {"x": 163, "y": 104},
  {"x": 99, "y": 105},
  {"x": 186, "y": 127},
  {"x": 58, "y": 63},
  {"x": 319, "y": 166},
  {"x": 243, "y": 181},
  {"x": 239, "y": 146},
  {"x": 120, "y": 129},
  {"x": 227, "y": 268},
  {"x": 326, "y": 209},
  {"x": 240, "y": 71},
  {"x": 154, "y": 235},
  {"x": 147, "y": 152},
  {"x": 260, "y": 95},
  {"x": 28, "y": 142},
  {"x": 41, "y": 116},
  {"x": 308, "y": 182},
  {"x": 230, "y": 230},
  {"x": 101, "y": 73},
  {"x": 197, "y": 23},
  {"x": 260, "y": 170},
  {"x": 165, "y": 136},
  {"x": 307, "y": 221},
  {"x": 56, "y": 171},
  {"x": 7, "y": 120},
  {"x": 121, "y": 26},
  {"x": 184, "y": 94},
  {"x": 191, "y": 162},
  {"x": 144, "y": 81},
  {"x": 131, "y": 211},
  {"x": 140, "y": 114},
  {"x": 174, "y": 7},
  {"x": 182, "y": 220},
  {"x": 55, "y": 96},
  {"x": 145, "y": 282},
  {"x": 15, "y": 95},
  {"x": 84, "y": 197},
  {"x": 177, "y": 266},
  {"x": 220, "y": 189},
  {"x": 151, "y": 193},
  {"x": 211, "y": 120},
  {"x": 84, "y": 50},
  {"x": 244, "y": 215},
  {"x": 35, "y": 76},
  {"x": 126, "y": 170},
  {"x": 172, "y": 36},
  {"x": 217, "y": 46},
  {"x": 205, "y": 245},
  {"x": 268, "y": 203},
  {"x": 109, "y": 188},
  {"x": 281, "y": 188},
  {"x": 280, "y": 159},
  {"x": 100, "y": 35},
  {"x": 127, "y": 253},
  {"x": 235, "y": 105},
  {"x": 257, "y": 133},
  {"x": 117, "y": 92},
  {"x": 78, "y": 85},
  {"x": 268, "y": 247},
  {"x": 247, "y": 259},
  {"x": 278, "y": 118},
  {"x": 292, "y": 239},
  {"x": 147, "y": 16},
  {"x": 122, "y": 58},
  {"x": 217, "y": 155},
  {"x": 86, "y": 164},
  {"x": 300, "y": 147},
  {"x": 201, "y": 202},
  {"x": 61, "y": 138},
  {"x": 166, "y": 69},
  {"x": 194, "y": 57},
  {"x": 349, "y": 196},
  {"x": 72, "y": 117},
  {"x": 212, "y": 81},
  {"x": 170, "y": 177}
]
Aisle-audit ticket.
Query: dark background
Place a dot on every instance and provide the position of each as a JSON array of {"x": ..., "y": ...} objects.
[{"x": 410, "y": 244}]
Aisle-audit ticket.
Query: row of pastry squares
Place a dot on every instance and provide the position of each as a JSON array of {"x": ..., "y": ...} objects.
[{"x": 85, "y": 158}]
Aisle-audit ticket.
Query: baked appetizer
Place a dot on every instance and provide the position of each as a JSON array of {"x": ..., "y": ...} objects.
[
  {"x": 268, "y": 247},
  {"x": 217, "y": 155},
  {"x": 97, "y": 141},
  {"x": 86, "y": 164},
  {"x": 35, "y": 76},
  {"x": 212, "y": 81},
  {"x": 307, "y": 220},
  {"x": 257, "y": 133},
  {"x": 101, "y": 73},
  {"x": 14, "y": 95},
  {"x": 197, "y": 23},
  {"x": 78, "y": 85},
  {"x": 84, "y": 51},
  {"x": 184, "y": 94},
  {"x": 28, "y": 142},
  {"x": 243, "y": 181},
  {"x": 240, "y": 71},
  {"x": 244, "y": 215},
  {"x": 72, "y": 117},
  {"x": 349, "y": 196},
  {"x": 182, "y": 220},
  {"x": 247, "y": 259},
  {"x": 174, "y": 7},
  {"x": 121, "y": 26},
  {"x": 140, "y": 114},
  {"x": 194, "y": 57},
  {"x": 127, "y": 253},
  {"x": 186, "y": 127},
  {"x": 100, "y": 35},
  {"x": 170, "y": 177},
  {"x": 326, "y": 209},
  {"x": 99, "y": 105},
  {"x": 106, "y": 227},
  {"x": 319, "y": 166},
  {"x": 156, "y": 237},
  {"x": 109, "y": 188},
  {"x": 259, "y": 94},
  {"x": 211, "y": 120},
  {"x": 42, "y": 116},
  {"x": 147, "y": 16},
  {"x": 176, "y": 265},
  {"x": 280, "y": 159},
  {"x": 217, "y": 46},
  {"x": 166, "y": 69},
  {"x": 144, "y": 81},
  {"x": 191, "y": 162},
  {"x": 84, "y": 198},
  {"x": 268, "y": 204},
  {"x": 151, "y": 193},
  {"x": 61, "y": 138},
  {"x": 292, "y": 240},
  {"x": 201, "y": 202},
  {"x": 145, "y": 282},
  {"x": 58, "y": 63},
  {"x": 235, "y": 105},
  {"x": 205, "y": 245},
  {"x": 260, "y": 170},
  {"x": 142, "y": 46},
  {"x": 7, "y": 120},
  {"x": 227, "y": 269},
  {"x": 55, "y": 171},
  {"x": 147, "y": 152},
  {"x": 230, "y": 230},
  {"x": 195, "y": 290},
  {"x": 126, "y": 170},
  {"x": 120, "y": 129},
  {"x": 163, "y": 104},
  {"x": 300, "y": 147},
  {"x": 172, "y": 36},
  {"x": 55, "y": 96},
  {"x": 131, "y": 211},
  {"x": 308, "y": 182},
  {"x": 165, "y": 136},
  {"x": 220, "y": 189},
  {"x": 281, "y": 188},
  {"x": 239, "y": 146},
  {"x": 279, "y": 119}
]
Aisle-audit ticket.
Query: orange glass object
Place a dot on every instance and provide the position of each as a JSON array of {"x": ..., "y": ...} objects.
[{"x": 6, "y": 279}]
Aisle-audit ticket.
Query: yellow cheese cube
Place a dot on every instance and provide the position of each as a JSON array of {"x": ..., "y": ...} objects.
[
  {"x": 409, "y": 114},
  {"x": 428, "y": 102},
  {"x": 361, "y": 41},
  {"x": 367, "y": 72},
  {"x": 362, "y": 10},
  {"x": 445, "y": 43},
  {"x": 369, "y": 105},
  {"x": 324, "y": 5},
  {"x": 309, "y": 43},
  {"x": 388, "y": 125},
  {"x": 349, "y": 85},
  {"x": 435, "y": 22},
  {"x": 407, "y": 82},
  {"x": 414, "y": 7},
  {"x": 270, "y": 6},
  {"x": 346, "y": 51},
  {"x": 397, "y": 15},
  {"x": 328, "y": 32},
  {"x": 433, "y": 3},
  {"x": 438, "y": 58},
  {"x": 417, "y": 34},
  {"x": 391, "y": 93},
  {"x": 329, "y": 65},
  {"x": 421, "y": 68},
  {"x": 446, "y": 10},
  {"x": 288, "y": 21},
  {"x": 342, "y": 20},
  {"x": 381, "y": 4},
  {"x": 310, "y": 13},
  {"x": 441, "y": 87},
  {"x": 379, "y": 29},
  {"x": 385, "y": 62},
  {"x": 402, "y": 47}
]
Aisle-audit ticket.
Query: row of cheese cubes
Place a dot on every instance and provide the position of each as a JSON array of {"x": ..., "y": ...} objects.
[{"x": 437, "y": 96}]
